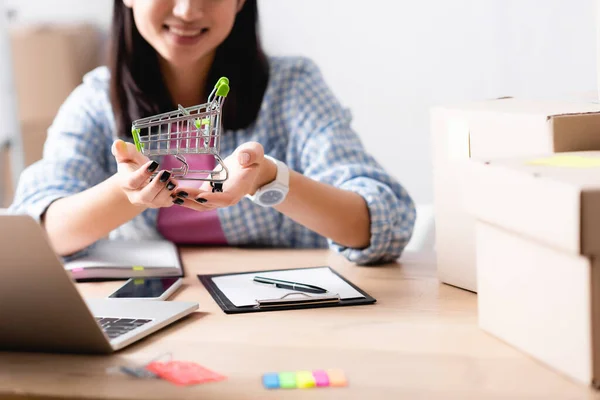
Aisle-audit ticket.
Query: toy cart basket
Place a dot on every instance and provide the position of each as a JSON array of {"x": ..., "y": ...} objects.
[{"x": 192, "y": 130}]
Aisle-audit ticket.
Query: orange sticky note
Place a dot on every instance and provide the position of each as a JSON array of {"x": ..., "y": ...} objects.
[{"x": 337, "y": 377}]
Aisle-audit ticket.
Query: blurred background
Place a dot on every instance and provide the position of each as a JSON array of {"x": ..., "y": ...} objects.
[{"x": 388, "y": 61}]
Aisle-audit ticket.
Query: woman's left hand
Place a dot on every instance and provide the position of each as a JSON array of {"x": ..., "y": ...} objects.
[{"x": 248, "y": 170}]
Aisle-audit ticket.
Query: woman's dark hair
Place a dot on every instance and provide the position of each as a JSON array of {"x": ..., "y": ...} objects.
[{"x": 137, "y": 89}]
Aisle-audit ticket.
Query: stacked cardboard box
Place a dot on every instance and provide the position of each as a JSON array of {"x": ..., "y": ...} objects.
[
  {"x": 490, "y": 130},
  {"x": 538, "y": 241},
  {"x": 49, "y": 61}
]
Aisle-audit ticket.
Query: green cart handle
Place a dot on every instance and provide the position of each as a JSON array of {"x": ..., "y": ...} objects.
[
  {"x": 222, "y": 80},
  {"x": 136, "y": 138},
  {"x": 222, "y": 87}
]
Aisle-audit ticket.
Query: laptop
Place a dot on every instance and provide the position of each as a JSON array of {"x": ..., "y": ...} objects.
[{"x": 42, "y": 310}]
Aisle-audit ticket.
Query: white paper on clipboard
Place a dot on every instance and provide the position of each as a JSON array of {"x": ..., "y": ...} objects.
[{"x": 241, "y": 290}]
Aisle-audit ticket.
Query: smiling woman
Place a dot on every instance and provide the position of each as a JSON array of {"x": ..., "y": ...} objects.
[
  {"x": 166, "y": 27},
  {"x": 298, "y": 174}
]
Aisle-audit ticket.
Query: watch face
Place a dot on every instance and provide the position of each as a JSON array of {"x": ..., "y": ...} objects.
[{"x": 271, "y": 197}]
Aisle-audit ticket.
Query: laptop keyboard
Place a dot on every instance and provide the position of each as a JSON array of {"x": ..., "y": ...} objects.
[{"x": 115, "y": 327}]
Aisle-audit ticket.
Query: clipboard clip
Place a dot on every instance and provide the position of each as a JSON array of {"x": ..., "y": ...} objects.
[{"x": 306, "y": 299}]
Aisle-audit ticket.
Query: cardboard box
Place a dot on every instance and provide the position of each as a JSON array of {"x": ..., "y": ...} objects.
[
  {"x": 537, "y": 247},
  {"x": 49, "y": 62},
  {"x": 490, "y": 130}
]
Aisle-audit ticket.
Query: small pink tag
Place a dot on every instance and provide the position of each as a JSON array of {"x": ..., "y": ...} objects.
[{"x": 184, "y": 372}]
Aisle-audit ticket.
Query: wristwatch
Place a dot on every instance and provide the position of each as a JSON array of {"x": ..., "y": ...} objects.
[{"x": 273, "y": 193}]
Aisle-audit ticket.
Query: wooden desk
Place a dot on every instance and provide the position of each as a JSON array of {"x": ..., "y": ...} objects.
[{"x": 420, "y": 340}]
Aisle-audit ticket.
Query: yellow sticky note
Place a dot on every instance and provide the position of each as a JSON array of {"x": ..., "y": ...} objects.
[
  {"x": 138, "y": 268},
  {"x": 568, "y": 161},
  {"x": 305, "y": 380}
]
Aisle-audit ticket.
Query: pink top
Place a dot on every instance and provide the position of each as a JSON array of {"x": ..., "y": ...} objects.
[{"x": 183, "y": 225}]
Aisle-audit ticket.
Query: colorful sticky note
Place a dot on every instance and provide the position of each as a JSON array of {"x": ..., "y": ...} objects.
[
  {"x": 305, "y": 380},
  {"x": 138, "y": 268},
  {"x": 287, "y": 380},
  {"x": 271, "y": 380},
  {"x": 567, "y": 160},
  {"x": 337, "y": 377},
  {"x": 321, "y": 378}
]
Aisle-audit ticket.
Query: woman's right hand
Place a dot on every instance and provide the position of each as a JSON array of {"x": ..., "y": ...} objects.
[{"x": 134, "y": 178}]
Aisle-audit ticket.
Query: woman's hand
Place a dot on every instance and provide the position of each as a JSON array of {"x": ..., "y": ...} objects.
[
  {"x": 134, "y": 178},
  {"x": 248, "y": 170}
]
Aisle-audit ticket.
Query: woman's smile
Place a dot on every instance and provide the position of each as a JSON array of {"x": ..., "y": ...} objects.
[{"x": 184, "y": 35}]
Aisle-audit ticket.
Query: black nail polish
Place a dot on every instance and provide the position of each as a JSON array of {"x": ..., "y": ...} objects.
[
  {"x": 165, "y": 176},
  {"x": 182, "y": 194},
  {"x": 152, "y": 167},
  {"x": 178, "y": 201},
  {"x": 201, "y": 200},
  {"x": 170, "y": 186}
]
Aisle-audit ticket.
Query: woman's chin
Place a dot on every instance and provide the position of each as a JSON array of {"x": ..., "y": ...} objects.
[{"x": 182, "y": 60}]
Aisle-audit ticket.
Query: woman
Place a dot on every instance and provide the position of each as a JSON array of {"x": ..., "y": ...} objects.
[{"x": 91, "y": 184}]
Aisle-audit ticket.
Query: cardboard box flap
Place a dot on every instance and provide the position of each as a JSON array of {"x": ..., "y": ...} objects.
[
  {"x": 553, "y": 199},
  {"x": 542, "y": 108},
  {"x": 520, "y": 127}
]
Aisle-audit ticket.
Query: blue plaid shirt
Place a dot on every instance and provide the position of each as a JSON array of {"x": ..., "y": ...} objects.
[{"x": 300, "y": 123}]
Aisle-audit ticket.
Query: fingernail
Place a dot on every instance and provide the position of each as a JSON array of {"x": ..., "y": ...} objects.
[
  {"x": 244, "y": 158},
  {"x": 182, "y": 194},
  {"x": 122, "y": 145},
  {"x": 152, "y": 167},
  {"x": 170, "y": 186},
  {"x": 201, "y": 200},
  {"x": 178, "y": 201},
  {"x": 165, "y": 176}
]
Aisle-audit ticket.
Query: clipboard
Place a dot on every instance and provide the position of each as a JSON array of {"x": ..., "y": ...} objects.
[{"x": 299, "y": 300}]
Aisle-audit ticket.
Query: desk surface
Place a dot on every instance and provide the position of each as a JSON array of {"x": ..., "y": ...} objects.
[{"x": 420, "y": 340}]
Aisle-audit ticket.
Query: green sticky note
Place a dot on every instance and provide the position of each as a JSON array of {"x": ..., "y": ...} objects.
[{"x": 287, "y": 380}]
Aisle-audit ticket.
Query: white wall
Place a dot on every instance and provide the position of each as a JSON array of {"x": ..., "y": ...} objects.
[
  {"x": 391, "y": 60},
  {"x": 8, "y": 112}
]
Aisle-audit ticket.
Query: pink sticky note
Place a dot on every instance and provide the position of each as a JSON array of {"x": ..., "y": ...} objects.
[{"x": 321, "y": 378}]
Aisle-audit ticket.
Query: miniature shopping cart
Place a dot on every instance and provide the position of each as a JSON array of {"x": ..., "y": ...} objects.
[{"x": 192, "y": 130}]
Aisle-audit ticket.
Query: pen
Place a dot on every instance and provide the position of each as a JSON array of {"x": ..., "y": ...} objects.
[{"x": 302, "y": 287}]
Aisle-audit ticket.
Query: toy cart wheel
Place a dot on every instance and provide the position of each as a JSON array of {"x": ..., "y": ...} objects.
[{"x": 217, "y": 187}]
